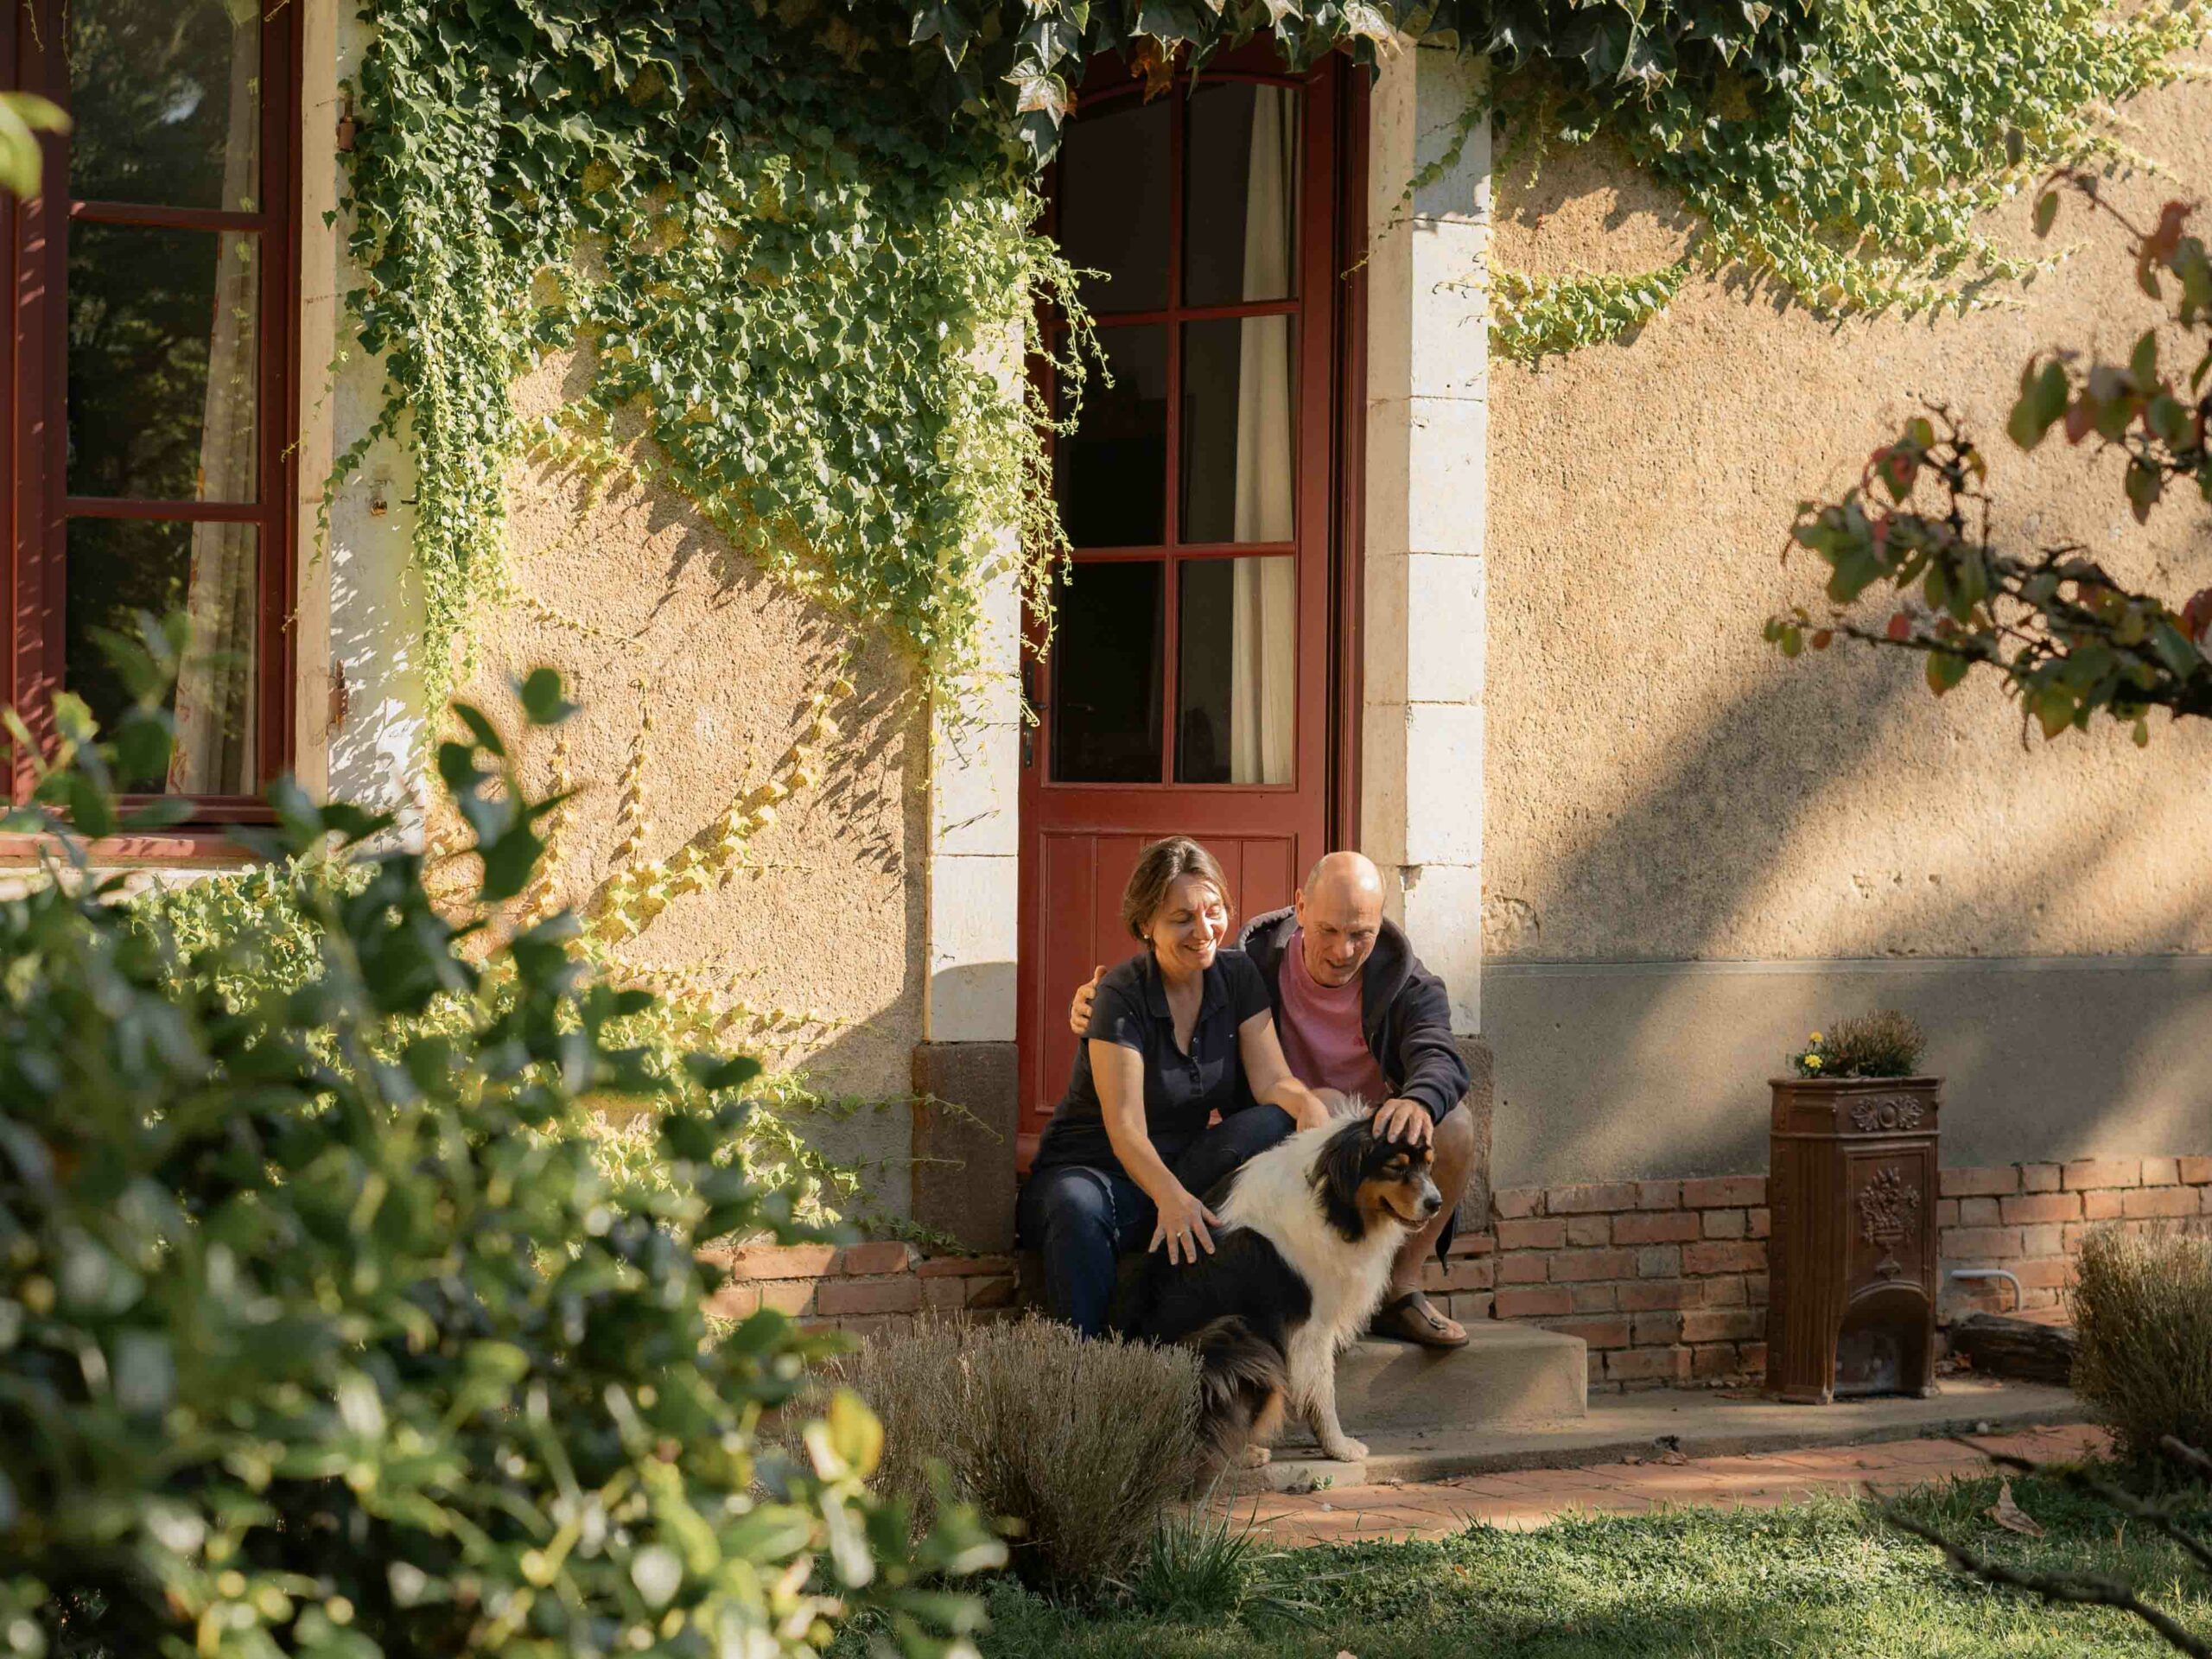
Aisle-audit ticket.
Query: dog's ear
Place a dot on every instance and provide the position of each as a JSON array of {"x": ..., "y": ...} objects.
[{"x": 1337, "y": 1175}]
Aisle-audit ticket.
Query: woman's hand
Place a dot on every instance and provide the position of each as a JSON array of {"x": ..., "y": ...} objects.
[
  {"x": 1079, "y": 1007},
  {"x": 1307, "y": 1109},
  {"x": 1183, "y": 1223}
]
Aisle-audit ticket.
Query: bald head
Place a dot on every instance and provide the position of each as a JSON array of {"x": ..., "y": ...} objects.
[
  {"x": 1339, "y": 917},
  {"x": 1354, "y": 871}
]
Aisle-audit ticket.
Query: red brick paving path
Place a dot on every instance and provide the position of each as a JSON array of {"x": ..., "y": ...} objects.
[{"x": 1534, "y": 1497}]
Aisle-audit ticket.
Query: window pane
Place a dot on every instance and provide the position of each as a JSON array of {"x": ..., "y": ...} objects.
[
  {"x": 162, "y": 363},
  {"x": 1238, "y": 376},
  {"x": 1113, "y": 195},
  {"x": 165, "y": 95},
  {"x": 1240, "y": 194},
  {"x": 1108, "y": 626},
  {"x": 120, "y": 566},
  {"x": 1236, "y": 688},
  {"x": 1113, "y": 469}
]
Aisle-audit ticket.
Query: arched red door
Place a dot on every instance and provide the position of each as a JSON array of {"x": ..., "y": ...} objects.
[{"x": 1188, "y": 685}]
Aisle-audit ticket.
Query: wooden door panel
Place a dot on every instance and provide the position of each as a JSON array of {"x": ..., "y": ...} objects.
[{"x": 1079, "y": 839}]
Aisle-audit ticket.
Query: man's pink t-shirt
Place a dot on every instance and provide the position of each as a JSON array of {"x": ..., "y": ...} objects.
[{"x": 1320, "y": 1033}]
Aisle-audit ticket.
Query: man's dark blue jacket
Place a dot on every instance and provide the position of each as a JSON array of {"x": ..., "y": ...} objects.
[{"x": 1404, "y": 1010}]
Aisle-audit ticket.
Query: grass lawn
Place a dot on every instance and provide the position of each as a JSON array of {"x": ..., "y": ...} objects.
[{"x": 1825, "y": 1579}]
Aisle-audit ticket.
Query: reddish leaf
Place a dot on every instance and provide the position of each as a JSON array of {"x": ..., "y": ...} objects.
[
  {"x": 2197, "y": 615},
  {"x": 1900, "y": 626},
  {"x": 1155, "y": 61}
]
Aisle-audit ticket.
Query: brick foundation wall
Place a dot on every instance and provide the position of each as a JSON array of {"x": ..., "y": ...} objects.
[
  {"x": 2031, "y": 1218},
  {"x": 865, "y": 1289},
  {"x": 1665, "y": 1280}
]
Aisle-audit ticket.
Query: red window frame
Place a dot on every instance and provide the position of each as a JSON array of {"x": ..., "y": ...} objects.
[{"x": 33, "y": 429}]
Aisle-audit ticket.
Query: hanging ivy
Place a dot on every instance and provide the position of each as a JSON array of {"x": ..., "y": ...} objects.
[
  {"x": 780, "y": 249},
  {"x": 1854, "y": 183},
  {"x": 791, "y": 235}
]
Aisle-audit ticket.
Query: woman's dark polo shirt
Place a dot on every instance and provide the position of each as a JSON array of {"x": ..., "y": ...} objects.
[{"x": 1180, "y": 1090}]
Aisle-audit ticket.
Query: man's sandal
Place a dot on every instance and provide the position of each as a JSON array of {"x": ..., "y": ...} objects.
[{"x": 1410, "y": 1317}]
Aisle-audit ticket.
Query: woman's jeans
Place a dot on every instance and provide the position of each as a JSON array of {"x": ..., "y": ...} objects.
[{"x": 1081, "y": 1217}]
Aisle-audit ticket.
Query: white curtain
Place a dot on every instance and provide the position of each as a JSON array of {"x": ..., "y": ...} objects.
[
  {"x": 1262, "y": 711},
  {"x": 215, "y": 702}
]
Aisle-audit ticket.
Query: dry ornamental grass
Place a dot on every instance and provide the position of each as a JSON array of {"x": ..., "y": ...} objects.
[
  {"x": 1082, "y": 1444},
  {"x": 2143, "y": 1328}
]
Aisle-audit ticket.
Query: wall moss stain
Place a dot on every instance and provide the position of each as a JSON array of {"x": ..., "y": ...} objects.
[{"x": 1660, "y": 784}]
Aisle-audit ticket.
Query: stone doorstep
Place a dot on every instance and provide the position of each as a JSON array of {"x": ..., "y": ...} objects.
[{"x": 1705, "y": 1423}]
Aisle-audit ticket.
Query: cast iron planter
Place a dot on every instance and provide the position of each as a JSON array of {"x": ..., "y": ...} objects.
[{"x": 1852, "y": 1260}]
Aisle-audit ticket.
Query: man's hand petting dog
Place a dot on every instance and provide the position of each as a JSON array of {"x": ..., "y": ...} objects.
[
  {"x": 1404, "y": 1120},
  {"x": 1183, "y": 1224}
]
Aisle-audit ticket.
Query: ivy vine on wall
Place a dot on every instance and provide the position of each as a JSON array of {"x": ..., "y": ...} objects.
[
  {"x": 776, "y": 243},
  {"x": 792, "y": 234},
  {"x": 1854, "y": 183}
]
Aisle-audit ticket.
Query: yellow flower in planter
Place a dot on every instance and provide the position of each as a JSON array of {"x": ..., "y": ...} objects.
[
  {"x": 1812, "y": 1062},
  {"x": 1816, "y": 1037}
]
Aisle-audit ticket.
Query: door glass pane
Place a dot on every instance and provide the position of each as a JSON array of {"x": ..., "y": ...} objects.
[
  {"x": 1113, "y": 195},
  {"x": 166, "y": 102},
  {"x": 162, "y": 363},
  {"x": 1236, "y": 684},
  {"x": 1238, "y": 378},
  {"x": 121, "y": 566},
  {"x": 1240, "y": 194},
  {"x": 1112, "y": 470},
  {"x": 1108, "y": 633}
]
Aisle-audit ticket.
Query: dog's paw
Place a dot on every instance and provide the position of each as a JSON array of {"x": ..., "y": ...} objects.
[
  {"x": 1254, "y": 1456},
  {"x": 1346, "y": 1450}
]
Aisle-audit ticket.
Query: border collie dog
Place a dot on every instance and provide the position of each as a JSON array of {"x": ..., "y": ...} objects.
[{"x": 1311, "y": 1226}]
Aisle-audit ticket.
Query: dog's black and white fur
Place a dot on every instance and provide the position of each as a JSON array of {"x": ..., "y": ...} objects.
[{"x": 1311, "y": 1227}]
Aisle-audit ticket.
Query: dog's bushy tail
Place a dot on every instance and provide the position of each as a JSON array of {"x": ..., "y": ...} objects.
[{"x": 1241, "y": 1378}]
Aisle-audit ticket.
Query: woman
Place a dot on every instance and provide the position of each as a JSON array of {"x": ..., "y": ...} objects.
[{"x": 1127, "y": 1154}]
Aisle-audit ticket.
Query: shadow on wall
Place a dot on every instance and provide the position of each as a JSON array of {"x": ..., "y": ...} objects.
[
  {"x": 1623, "y": 1068},
  {"x": 376, "y": 631},
  {"x": 650, "y": 612}
]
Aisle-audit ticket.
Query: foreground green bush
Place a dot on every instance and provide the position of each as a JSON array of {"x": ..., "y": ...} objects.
[
  {"x": 2142, "y": 1331},
  {"x": 321, "y": 1333},
  {"x": 1081, "y": 1446}
]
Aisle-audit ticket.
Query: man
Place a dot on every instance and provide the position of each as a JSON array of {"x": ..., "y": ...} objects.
[{"x": 1358, "y": 1013}]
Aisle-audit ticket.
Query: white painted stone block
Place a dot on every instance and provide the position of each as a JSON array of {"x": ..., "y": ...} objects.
[
  {"x": 1392, "y": 126},
  {"x": 1390, "y": 485},
  {"x": 1447, "y": 304},
  {"x": 1446, "y": 632},
  {"x": 1382, "y": 782},
  {"x": 1447, "y": 494},
  {"x": 1444, "y": 784},
  {"x": 1385, "y": 628},
  {"x": 974, "y": 789},
  {"x": 1446, "y": 88},
  {"x": 1443, "y": 916},
  {"x": 973, "y": 906}
]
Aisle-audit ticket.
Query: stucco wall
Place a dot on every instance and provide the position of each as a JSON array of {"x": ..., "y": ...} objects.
[
  {"x": 646, "y": 609},
  {"x": 1662, "y": 788}
]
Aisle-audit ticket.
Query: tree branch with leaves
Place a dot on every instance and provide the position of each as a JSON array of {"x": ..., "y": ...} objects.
[{"x": 2070, "y": 639}]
